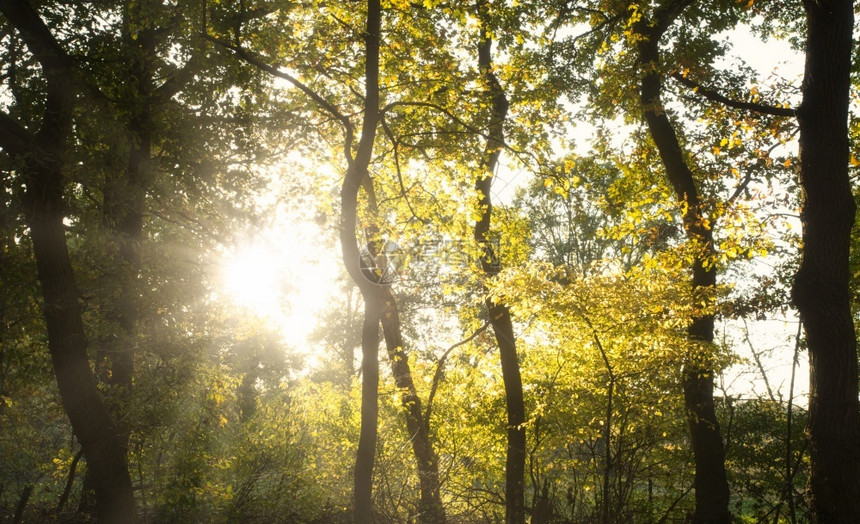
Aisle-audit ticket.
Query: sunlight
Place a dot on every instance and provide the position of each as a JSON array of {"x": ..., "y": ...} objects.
[
  {"x": 253, "y": 281},
  {"x": 284, "y": 276}
]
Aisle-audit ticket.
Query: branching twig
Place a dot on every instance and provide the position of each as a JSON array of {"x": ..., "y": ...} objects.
[
  {"x": 395, "y": 144},
  {"x": 70, "y": 479},
  {"x": 758, "y": 361},
  {"x": 748, "y": 177}
]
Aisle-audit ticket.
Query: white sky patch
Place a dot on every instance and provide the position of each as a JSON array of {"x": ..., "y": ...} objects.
[
  {"x": 771, "y": 57},
  {"x": 772, "y": 341}
]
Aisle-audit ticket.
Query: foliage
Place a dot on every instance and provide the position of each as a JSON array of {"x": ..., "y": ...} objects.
[{"x": 232, "y": 419}]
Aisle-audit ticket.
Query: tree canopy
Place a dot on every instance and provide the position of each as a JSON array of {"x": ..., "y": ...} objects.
[{"x": 389, "y": 261}]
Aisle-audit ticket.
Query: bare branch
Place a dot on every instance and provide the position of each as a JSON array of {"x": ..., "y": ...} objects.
[
  {"x": 395, "y": 144},
  {"x": 714, "y": 96},
  {"x": 758, "y": 362},
  {"x": 440, "y": 368}
]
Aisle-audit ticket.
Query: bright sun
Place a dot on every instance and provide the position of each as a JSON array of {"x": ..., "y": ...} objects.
[
  {"x": 284, "y": 276},
  {"x": 253, "y": 281}
]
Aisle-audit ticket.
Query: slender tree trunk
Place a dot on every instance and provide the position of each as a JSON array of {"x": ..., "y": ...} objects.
[
  {"x": 356, "y": 173},
  {"x": 606, "y": 503},
  {"x": 430, "y": 509},
  {"x": 18, "y": 517},
  {"x": 364, "y": 459},
  {"x": 821, "y": 287},
  {"x": 122, "y": 216},
  {"x": 499, "y": 314},
  {"x": 124, "y": 199},
  {"x": 70, "y": 481},
  {"x": 711, "y": 482}
]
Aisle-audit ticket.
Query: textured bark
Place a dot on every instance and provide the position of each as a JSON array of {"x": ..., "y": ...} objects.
[
  {"x": 430, "y": 509},
  {"x": 711, "y": 483},
  {"x": 499, "y": 314},
  {"x": 821, "y": 287},
  {"x": 41, "y": 156}
]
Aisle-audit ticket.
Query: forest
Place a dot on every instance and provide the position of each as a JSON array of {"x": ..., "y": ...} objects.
[{"x": 402, "y": 261}]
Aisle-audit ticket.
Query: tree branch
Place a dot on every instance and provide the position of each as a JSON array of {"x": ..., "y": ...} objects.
[
  {"x": 56, "y": 66},
  {"x": 714, "y": 96},
  {"x": 748, "y": 177},
  {"x": 37, "y": 36},
  {"x": 177, "y": 80},
  {"x": 395, "y": 144},
  {"x": 440, "y": 368},
  {"x": 665, "y": 14},
  {"x": 14, "y": 138},
  {"x": 258, "y": 62}
]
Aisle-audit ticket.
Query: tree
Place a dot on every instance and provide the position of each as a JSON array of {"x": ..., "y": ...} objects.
[
  {"x": 822, "y": 282},
  {"x": 498, "y": 311},
  {"x": 712, "y": 488},
  {"x": 821, "y": 285},
  {"x": 40, "y": 154}
]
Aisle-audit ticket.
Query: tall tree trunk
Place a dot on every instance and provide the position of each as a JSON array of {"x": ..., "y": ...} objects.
[
  {"x": 358, "y": 158},
  {"x": 711, "y": 483},
  {"x": 499, "y": 314},
  {"x": 124, "y": 199},
  {"x": 356, "y": 173},
  {"x": 91, "y": 421},
  {"x": 430, "y": 507},
  {"x": 41, "y": 154},
  {"x": 821, "y": 287}
]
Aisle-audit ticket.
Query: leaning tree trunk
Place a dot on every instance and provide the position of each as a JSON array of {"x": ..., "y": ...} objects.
[
  {"x": 821, "y": 288},
  {"x": 711, "y": 483},
  {"x": 41, "y": 155},
  {"x": 499, "y": 313},
  {"x": 91, "y": 421},
  {"x": 430, "y": 509}
]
